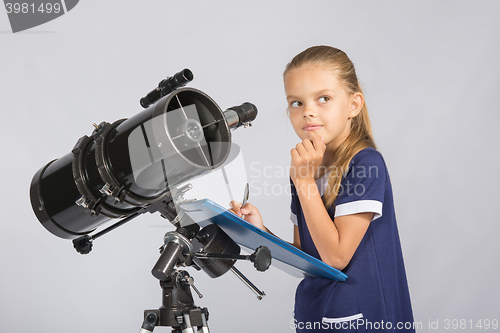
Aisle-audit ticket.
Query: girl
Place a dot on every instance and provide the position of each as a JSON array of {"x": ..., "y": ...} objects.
[{"x": 342, "y": 205}]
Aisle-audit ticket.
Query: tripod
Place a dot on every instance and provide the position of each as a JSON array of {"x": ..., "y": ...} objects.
[{"x": 178, "y": 309}]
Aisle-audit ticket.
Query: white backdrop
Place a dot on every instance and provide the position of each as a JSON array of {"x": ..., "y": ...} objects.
[{"x": 431, "y": 76}]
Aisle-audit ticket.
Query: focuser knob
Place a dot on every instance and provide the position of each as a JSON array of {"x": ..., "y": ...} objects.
[{"x": 261, "y": 258}]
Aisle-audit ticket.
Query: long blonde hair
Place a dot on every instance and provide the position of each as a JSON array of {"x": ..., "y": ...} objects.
[{"x": 360, "y": 136}]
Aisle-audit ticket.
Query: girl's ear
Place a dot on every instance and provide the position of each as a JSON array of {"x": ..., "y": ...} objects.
[{"x": 356, "y": 103}]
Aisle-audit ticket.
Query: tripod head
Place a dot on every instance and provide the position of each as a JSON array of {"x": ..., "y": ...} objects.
[{"x": 209, "y": 249}]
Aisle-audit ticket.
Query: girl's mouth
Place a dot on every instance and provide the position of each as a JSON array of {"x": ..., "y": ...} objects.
[{"x": 311, "y": 127}]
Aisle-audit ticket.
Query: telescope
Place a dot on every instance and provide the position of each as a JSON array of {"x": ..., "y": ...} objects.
[
  {"x": 129, "y": 166},
  {"x": 141, "y": 165}
]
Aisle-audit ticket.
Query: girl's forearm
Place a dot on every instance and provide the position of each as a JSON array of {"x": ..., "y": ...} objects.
[
  {"x": 295, "y": 243},
  {"x": 323, "y": 230},
  {"x": 336, "y": 241}
]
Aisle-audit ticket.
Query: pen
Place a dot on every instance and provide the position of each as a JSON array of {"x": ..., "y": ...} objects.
[{"x": 245, "y": 198}]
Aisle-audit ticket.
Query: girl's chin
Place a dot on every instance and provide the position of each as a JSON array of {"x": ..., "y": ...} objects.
[
  {"x": 302, "y": 134},
  {"x": 305, "y": 133}
]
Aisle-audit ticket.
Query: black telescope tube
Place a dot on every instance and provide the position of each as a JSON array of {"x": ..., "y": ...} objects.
[
  {"x": 98, "y": 180},
  {"x": 166, "y": 86}
]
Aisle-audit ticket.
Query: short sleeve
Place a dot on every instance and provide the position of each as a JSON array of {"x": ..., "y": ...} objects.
[{"x": 363, "y": 188}]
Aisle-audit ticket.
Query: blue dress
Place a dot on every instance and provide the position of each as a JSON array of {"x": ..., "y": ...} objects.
[{"x": 375, "y": 297}]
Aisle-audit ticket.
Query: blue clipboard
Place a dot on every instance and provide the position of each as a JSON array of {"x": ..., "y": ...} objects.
[{"x": 285, "y": 256}]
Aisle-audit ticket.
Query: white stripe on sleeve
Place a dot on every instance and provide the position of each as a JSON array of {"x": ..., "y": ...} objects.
[
  {"x": 360, "y": 206},
  {"x": 293, "y": 217}
]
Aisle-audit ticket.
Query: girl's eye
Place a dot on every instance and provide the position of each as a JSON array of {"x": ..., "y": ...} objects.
[
  {"x": 324, "y": 99},
  {"x": 296, "y": 104}
]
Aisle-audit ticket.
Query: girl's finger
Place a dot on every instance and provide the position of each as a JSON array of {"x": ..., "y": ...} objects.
[
  {"x": 317, "y": 141},
  {"x": 247, "y": 209},
  {"x": 301, "y": 149},
  {"x": 235, "y": 207},
  {"x": 308, "y": 144}
]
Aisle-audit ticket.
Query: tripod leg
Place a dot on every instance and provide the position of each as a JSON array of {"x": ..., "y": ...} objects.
[
  {"x": 204, "y": 327},
  {"x": 149, "y": 323},
  {"x": 186, "y": 323}
]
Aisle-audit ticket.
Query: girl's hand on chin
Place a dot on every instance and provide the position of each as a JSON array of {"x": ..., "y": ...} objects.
[{"x": 307, "y": 157}]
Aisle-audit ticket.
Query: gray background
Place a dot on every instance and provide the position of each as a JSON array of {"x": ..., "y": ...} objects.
[{"x": 431, "y": 76}]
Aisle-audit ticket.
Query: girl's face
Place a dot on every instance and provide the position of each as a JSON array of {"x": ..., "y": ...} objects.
[{"x": 318, "y": 102}]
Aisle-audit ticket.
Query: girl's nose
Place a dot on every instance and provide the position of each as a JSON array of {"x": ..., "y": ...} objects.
[{"x": 309, "y": 112}]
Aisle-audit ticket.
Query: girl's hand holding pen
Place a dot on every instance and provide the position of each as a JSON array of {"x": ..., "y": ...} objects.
[
  {"x": 307, "y": 157},
  {"x": 252, "y": 214}
]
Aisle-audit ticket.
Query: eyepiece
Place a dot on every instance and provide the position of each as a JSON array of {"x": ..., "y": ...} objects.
[
  {"x": 166, "y": 86},
  {"x": 239, "y": 115}
]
